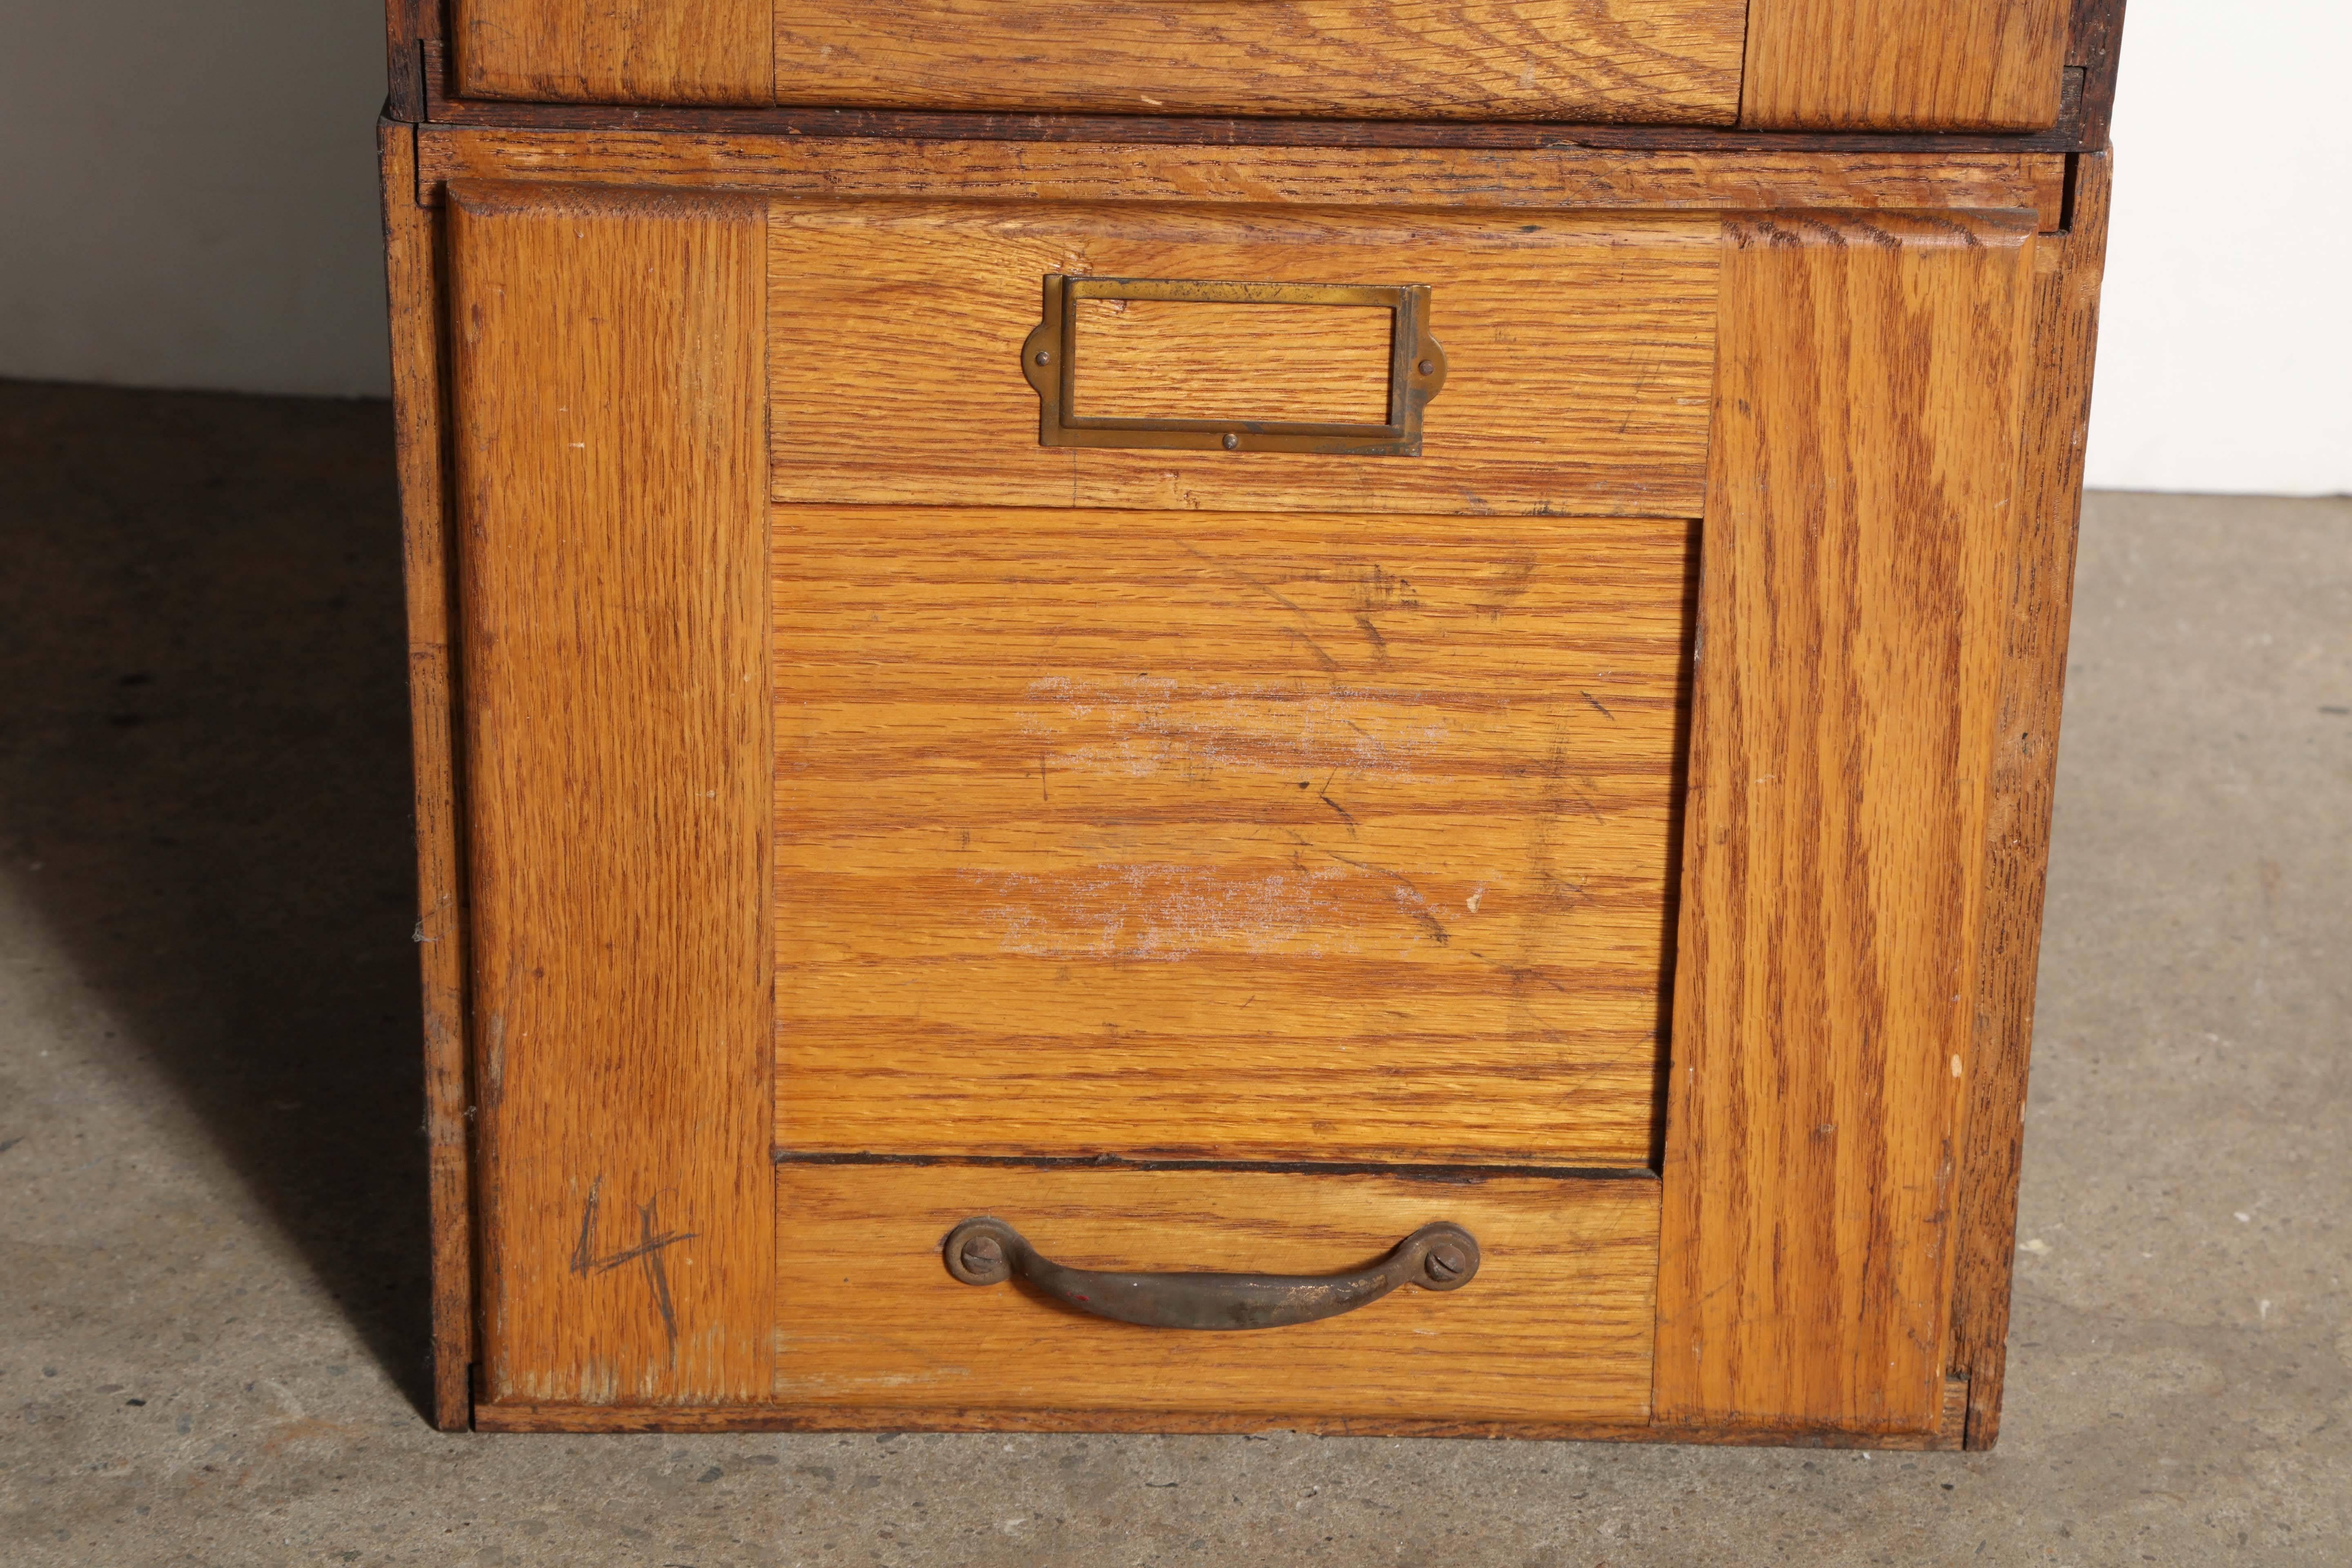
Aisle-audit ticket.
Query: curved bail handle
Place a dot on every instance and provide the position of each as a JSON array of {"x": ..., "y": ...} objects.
[{"x": 984, "y": 1251}]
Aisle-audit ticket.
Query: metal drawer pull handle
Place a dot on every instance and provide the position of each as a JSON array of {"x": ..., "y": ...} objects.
[{"x": 1439, "y": 1257}]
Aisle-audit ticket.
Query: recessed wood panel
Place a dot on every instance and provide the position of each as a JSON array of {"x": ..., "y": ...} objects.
[
  {"x": 1240, "y": 835},
  {"x": 1556, "y": 1326},
  {"x": 1904, "y": 65},
  {"x": 606, "y": 390},
  {"x": 1670, "y": 62},
  {"x": 615, "y": 51},
  {"x": 1858, "y": 540},
  {"x": 1581, "y": 352}
]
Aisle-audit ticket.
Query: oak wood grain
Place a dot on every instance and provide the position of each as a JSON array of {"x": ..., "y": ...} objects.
[
  {"x": 2080, "y": 126},
  {"x": 616, "y": 51},
  {"x": 1904, "y": 65},
  {"x": 1178, "y": 359},
  {"x": 2025, "y": 774},
  {"x": 1565, "y": 1284},
  {"x": 1581, "y": 350},
  {"x": 607, "y": 387},
  {"x": 1861, "y": 509},
  {"x": 412, "y": 284},
  {"x": 844, "y": 168},
  {"x": 1223, "y": 834},
  {"x": 1638, "y": 60}
]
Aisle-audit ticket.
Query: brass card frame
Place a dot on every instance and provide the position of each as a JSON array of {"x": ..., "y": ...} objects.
[{"x": 1049, "y": 358}]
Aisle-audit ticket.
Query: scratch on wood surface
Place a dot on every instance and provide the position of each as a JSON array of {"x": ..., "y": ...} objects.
[
  {"x": 1409, "y": 897},
  {"x": 1228, "y": 570}
]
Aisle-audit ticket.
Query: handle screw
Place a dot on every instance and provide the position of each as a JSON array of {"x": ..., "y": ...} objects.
[
  {"x": 1429, "y": 367},
  {"x": 1045, "y": 356},
  {"x": 982, "y": 1253},
  {"x": 1445, "y": 1262},
  {"x": 1231, "y": 442}
]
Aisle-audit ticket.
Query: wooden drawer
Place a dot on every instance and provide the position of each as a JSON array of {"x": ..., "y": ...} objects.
[
  {"x": 1566, "y": 1280},
  {"x": 1567, "y": 824},
  {"x": 1993, "y": 65},
  {"x": 1579, "y": 350}
]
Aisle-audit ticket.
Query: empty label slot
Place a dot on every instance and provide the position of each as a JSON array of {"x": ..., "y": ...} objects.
[{"x": 1183, "y": 359}]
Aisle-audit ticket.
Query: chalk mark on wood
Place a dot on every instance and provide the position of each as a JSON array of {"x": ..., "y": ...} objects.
[{"x": 648, "y": 1251}]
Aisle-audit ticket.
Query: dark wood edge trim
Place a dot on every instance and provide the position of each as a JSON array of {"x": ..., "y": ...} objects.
[
  {"x": 533, "y": 1417},
  {"x": 414, "y": 265},
  {"x": 2095, "y": 45},
  {"x": 404, "y": 65},
  {"x": 2024, "y": 770},
  {"x": 1391, "y": 1170},
  {"x": 408, "y": 26},
  {"x": 442, "y": 108}
]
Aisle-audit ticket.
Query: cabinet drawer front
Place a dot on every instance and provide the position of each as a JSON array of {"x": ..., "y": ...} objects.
[
  {"x": 1233, "y": 835},
  {"x": 896, "y": 863},
  {"x": 1674, "y": 61},
  {"x": 1580, "y": 352},
  {"x": 1922, "y": 65},
  {"x": 1654, "y": 61},
  {"x": 1556, "y": 1325}
]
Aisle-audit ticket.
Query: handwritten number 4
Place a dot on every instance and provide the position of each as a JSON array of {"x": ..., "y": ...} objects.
[{"x": 651, "y": 1239}]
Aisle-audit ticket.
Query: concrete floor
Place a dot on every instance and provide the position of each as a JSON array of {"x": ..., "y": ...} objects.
[{"x": 211, "y": 1187}]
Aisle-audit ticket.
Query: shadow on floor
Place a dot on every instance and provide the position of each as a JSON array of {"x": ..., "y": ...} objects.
[{"x": 205, "y": 788}]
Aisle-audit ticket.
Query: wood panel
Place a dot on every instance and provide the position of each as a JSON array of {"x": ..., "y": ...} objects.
[
  {"x": 616, "y": 51},
  {"x": 1581, "y": 351},
  {"x": 843, "y": 168},
  {"x": 1250, "y": 837},
  {"x": 607, "y": 381},
  {"x": 2025, "y": 775},
  {"x": 2086, "y": 91},
  {"x": 1563, "y": 1292},
  {"x": 1861, "y": 512},
  {"x": 1904, "y": 65},
  {"x": 1175, "y": 359},
  {"x": 1640, "y": 60},
  {"x": 428, "y": 545}
]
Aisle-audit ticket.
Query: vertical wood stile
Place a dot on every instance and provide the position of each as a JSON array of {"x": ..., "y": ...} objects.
[
  {"x": 1854, "y": 581},
  {"x": 412, "y": 261},
  {"x": 609, "y": 390},
  {"x": 2024, "y": 781}
]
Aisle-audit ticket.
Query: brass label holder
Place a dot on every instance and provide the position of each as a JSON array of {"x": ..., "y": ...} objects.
[{"x": 1416, "y": 370}]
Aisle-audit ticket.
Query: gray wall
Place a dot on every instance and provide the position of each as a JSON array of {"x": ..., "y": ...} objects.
[{"x": 187, "y": 193}]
